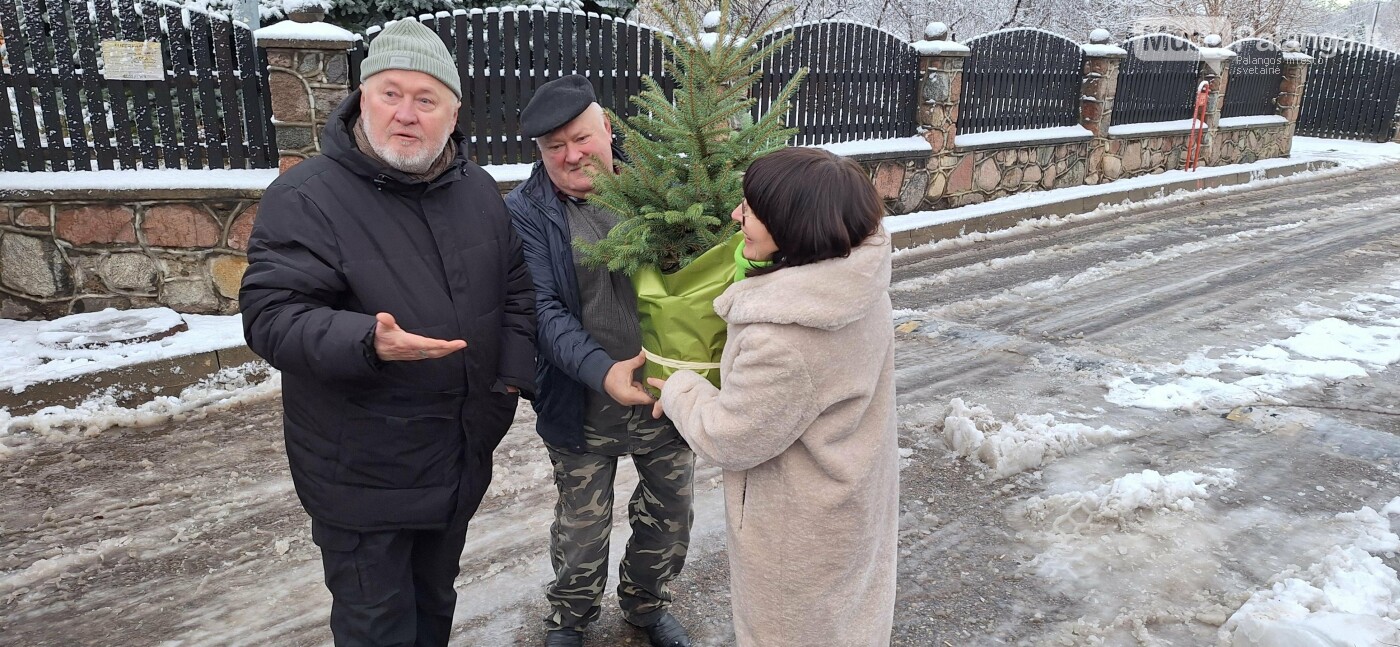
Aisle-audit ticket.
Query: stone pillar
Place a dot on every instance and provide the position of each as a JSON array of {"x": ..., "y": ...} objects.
[
  {"x": 1096, "y": 94},
  {"x": 940, "y": 86},
  {"x": 1215, "y": 70},
  {"x": 1290, "y": 89},
  {"x": 309, "y": 75}
]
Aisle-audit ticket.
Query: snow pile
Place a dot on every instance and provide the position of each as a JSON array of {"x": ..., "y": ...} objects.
[
  {"x": 108, "y": 326},
  {"x": 229, "y": 387},
  {"x": 1124, "y": 498},
  {"x": 1348, "y": 598},
  {"x": 1336, "y": 339},
  {"x": 1023, "y": 443},
  {"x": 1330, "y": 349},
  {"x": 42, "y": 351},
  {"x": 1186, "y": 393}
]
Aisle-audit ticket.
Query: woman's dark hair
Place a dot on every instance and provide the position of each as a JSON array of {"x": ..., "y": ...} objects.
[{"x": 815, "y": 204}]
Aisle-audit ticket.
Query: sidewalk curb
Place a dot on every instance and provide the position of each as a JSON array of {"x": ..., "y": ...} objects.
[
  {"x": 1085, "y": 204},
  {"x": 141, "y": 383},
  {"x": 136, "y": 384}
]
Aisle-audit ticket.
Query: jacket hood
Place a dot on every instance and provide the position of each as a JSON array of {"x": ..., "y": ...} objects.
[
  {"x": 827, "y": 295},
  {"x": 338, "y": 143}
]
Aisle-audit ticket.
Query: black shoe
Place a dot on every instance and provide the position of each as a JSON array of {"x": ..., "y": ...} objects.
[
  {"x": 667, "y": 632},
  {"x": 563, "y": 638}
]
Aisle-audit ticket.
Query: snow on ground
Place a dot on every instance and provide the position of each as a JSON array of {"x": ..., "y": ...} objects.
[
  {"x": 1348, "y": 598},
  {"x": 1022, "y": 443},
  {"x": 1361, "y": 337},
  {"x": 1349, "y": 155},
  {"x": 72, "y": 346},
  {"x": 225, "y": 389},
  {"x": 1120, "y": 500},
  {"x": 1149, "y": 551}
]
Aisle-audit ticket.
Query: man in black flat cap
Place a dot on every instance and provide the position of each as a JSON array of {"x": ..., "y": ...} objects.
[{"x": 591, "y": 405}]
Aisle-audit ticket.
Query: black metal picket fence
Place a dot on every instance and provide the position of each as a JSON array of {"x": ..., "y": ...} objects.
[
  {"x": 1018, "y": 79},
  {"x": 1255, "y": 75},
  {"x": 504, "y": 55},
  {"x": 1157, "y": 81},
  {"x": 861, "y": 80},
  {"x": 196, "y": 94},
  {"x": 173, "y": 88},
  {"x": 1351, "y": 92}
]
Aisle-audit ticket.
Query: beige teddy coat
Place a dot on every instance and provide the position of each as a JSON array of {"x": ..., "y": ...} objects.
[{"x": 804, "y": 428}]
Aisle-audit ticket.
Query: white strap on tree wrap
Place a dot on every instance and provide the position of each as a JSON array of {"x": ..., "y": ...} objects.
[{"x": 679, "y": 364}]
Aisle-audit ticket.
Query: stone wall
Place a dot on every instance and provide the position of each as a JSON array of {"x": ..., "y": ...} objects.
[
  {"x": 960, "y": 177},
  {"x": 62, "y": 254},
  {"x": 1245, "y": 145}
]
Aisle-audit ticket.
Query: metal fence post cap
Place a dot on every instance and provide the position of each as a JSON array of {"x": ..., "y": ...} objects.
[
  {"x": 936, "y": 31},
  {"x": 1213, "y": 40},
  {"x": 1100, "y": 36},
  {"x": 1291, "y": 45}
]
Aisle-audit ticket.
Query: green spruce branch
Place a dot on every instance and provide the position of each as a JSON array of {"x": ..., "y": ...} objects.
[{"x": 686, "y": 158}]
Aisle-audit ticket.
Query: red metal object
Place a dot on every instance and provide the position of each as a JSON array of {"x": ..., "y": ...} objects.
[{"x": 1198, "y": 126}]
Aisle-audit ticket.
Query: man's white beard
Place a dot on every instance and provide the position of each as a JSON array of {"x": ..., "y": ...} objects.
[{"x": 412, "y": 163}]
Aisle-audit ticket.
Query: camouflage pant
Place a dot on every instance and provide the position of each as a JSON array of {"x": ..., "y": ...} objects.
[{"x": 660, "y": 517}]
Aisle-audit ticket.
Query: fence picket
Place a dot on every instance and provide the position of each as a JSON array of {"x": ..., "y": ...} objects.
[
  {"x": 212, "y": 128},
  {"x": 481, "y": 145},
  {"x": 228, "y": 93},
  {"x": 495, "y": 72},
  {"x": 554, "y": 48},
  {"x": 97, "y": 113},
  {"x": 55, "y": 150},
  {"x": 253, "y": 86},
  {"x": 181, "y": 60},
  {"x": 17, "y": 47},
  {"x": 9, "y": 147},
  {"x": 67, "y": 76},
  {"x": 159, "y": 91}
]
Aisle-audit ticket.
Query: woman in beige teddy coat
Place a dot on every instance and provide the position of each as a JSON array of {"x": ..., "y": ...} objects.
[{"x": 804, "y": 424}]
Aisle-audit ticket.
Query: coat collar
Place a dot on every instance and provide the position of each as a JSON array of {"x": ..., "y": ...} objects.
[
  {"x": 540, "y": 189},
  {"x": 338, "y": 143},
  {"x": 827, "y": 295}
]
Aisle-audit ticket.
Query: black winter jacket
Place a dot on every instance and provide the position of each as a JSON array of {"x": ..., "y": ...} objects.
[
  {"x": 570, "y": 361},
  {"x": 381, "y": 445}
]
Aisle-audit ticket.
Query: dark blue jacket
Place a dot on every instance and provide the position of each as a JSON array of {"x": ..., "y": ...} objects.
[{"x": 569, "y": 360}]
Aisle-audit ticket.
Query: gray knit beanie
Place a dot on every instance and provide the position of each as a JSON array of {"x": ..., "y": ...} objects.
[{"x": 411, "y": 45}]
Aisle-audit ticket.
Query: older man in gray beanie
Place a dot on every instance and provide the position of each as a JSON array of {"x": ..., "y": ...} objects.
[{"x": 386, "y": 283}]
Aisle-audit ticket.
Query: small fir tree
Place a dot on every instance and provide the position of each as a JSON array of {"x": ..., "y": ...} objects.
[{"x": 686, "y": 158}]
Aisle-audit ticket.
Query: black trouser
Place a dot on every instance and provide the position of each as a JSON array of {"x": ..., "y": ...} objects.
[{"x": 392, "y": 587}]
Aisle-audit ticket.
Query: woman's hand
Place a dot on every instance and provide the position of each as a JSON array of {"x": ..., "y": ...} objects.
[{"x": 660, "y": 384}]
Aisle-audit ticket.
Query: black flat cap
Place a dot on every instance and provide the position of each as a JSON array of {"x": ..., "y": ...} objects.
[{"x": 555, "y": 104}]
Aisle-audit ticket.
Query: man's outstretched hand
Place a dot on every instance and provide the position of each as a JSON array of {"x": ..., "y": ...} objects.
[
  {"x": 621, "y": 384},
  {"x": 394, "y": 344}
]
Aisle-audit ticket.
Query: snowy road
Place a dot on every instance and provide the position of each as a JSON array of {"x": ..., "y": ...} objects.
[{"x": 1122, "y": 431}]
